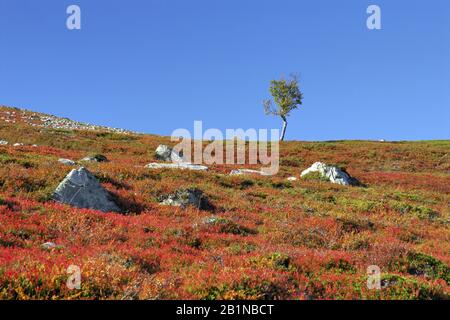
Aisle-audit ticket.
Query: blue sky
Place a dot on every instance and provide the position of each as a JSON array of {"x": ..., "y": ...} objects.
[{"x": 157, "y": 65}]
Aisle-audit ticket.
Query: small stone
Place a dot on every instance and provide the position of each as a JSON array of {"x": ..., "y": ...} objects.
[
  {"x": 247, "y": 171},
  {"x": 67, "y": 162},
  {"x": 180, "y": 165},
  {"x": 49, "y": 245},
  {"x": 95, "y": 158}
]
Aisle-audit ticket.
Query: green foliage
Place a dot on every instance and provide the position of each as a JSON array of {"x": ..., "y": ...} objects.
[
  {"x": 237, "y": 248},
  {"x": 245, "y": 290},
  {"x": 421, "y": 264},
  {"x": 403, "y": 288},
  {"x": 340, "y": 266},
  {"x": 116, "y": 136},
  {"x": 355, "y": 225},
  {"x": 276, "y": 261},
  {"x": 360, "y": 205},
  {"x": 6, "y": 159},
  {"x": 228, "y": 226},
  {"x": 286, "y": 95},
  {"x": 421, "y": 212},
  {"x": 315, "y": 176}
]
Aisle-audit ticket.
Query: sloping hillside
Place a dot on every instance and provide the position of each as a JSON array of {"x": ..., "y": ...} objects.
[{"x": 263, "y": 237}]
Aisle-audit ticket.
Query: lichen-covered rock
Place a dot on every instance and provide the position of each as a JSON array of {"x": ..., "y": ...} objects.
[
  {"x": 188, "y": 197},
  {"x": 332, "y": 173},
  {"x": 81, "y": 189}
]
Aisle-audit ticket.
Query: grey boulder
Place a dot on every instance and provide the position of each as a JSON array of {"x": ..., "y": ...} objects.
[
  {"x": 188, "y": 197},
  {"x": 81, "y": 189}
]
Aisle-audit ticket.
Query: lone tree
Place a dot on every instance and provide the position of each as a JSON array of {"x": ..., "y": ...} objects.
[{"x": 287, "y": 97}]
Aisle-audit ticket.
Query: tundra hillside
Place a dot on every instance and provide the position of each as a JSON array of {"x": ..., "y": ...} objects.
[{"x": 261, "y": 237}]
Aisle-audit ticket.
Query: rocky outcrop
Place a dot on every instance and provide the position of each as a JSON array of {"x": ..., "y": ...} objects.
[
  {"x": 35, "y": 119},
  {"x": 332, "y": 173},
  {"x": 81, "y": 189}
]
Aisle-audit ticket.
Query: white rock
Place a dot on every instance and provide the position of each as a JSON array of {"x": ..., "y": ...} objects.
[
  {"x": 81, "y": 189},
  {"x": 3, "y": 143},
  {"x": 180, "y": 165},
  {"x": 17, "y": 144},
  {"x": 248, "y": 171},
  {"x": 332, "y": 173},
  {"x": 49, "y": 245},
  {"x": 165, "y": 153},
  {"x": 292, "y": 179},
  {"x": 67, "y": 161}
]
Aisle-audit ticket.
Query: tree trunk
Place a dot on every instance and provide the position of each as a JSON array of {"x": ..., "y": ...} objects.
[{"x": 283, "y": 130}]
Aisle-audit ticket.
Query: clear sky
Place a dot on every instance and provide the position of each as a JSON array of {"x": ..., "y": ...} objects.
[{"x": 157, "y": 65}]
